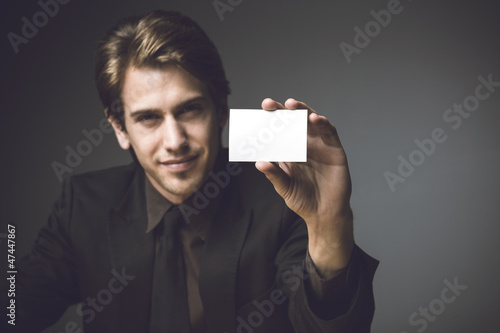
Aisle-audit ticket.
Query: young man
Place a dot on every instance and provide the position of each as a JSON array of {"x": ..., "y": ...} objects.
[{"x": 181, "y": 240}]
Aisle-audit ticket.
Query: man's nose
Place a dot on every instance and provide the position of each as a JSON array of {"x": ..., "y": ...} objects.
[{"x": 174, "y": 136}]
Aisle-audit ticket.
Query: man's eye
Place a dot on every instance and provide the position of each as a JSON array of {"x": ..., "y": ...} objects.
[
  {"x": 147, "y": 118},
  {"x": 193, "y": 108}
]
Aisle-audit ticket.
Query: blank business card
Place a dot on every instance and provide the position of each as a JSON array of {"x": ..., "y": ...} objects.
[{"x": 274, "y": 136}]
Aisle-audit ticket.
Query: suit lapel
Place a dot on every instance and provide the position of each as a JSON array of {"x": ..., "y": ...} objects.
[
  {"x": 127, "y": 228},
  {"x": 219, "y": 263},
  {"x": 132, "y": 250}
]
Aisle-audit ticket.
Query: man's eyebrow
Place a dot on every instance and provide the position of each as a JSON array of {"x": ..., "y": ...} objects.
[
  {"x": 181, "y": 105},
  {"x": 142, "y": 112}
]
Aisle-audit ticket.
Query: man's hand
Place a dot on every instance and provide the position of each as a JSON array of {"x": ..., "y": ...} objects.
[{"x": 317, "y": 190}]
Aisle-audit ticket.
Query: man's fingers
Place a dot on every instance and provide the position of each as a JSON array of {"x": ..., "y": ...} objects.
[
  {"x": 275, "y": 174},
  {"x": 270, "y": 104},
  {"x": 293, "y": 104},
  {"x": 322, "y": 125},
  {"x": 326, "y": 129}
]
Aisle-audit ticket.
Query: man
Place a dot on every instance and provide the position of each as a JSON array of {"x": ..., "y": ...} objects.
[{"x": 250, "y": 255}]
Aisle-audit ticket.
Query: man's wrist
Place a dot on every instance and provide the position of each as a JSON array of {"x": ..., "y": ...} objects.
[
  {"x": 330, "y": 245},
  {"x": 330, "y": 260}
]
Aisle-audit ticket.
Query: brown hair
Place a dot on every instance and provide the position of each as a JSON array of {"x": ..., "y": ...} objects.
[{"x": 153, "y": 40}]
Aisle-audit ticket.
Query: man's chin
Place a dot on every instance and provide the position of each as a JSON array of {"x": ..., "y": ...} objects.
[
  {"x": 180, "y": 185},
  {"x": 183, "y": 189}
]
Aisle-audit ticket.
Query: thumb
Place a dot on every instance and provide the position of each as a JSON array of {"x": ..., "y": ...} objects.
[{"x": 276, "y": 175}]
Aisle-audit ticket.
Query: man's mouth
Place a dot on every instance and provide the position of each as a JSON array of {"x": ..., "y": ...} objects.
[{"x": 180, "y": 164}]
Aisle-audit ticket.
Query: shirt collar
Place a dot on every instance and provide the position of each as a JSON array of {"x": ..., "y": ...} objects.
[{"x": 157, "y": 205}]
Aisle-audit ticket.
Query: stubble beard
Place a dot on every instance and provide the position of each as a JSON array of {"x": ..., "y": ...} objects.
[{"x": 184, "y": 184}]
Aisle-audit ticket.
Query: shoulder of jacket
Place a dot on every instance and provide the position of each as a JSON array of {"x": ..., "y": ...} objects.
[{"x": 111, "y": 180}]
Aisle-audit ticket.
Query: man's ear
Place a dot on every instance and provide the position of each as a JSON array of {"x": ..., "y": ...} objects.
[{"x": 121, "y": 133}]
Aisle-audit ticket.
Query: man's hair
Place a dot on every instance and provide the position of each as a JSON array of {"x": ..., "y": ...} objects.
[{"x": 154, "y": 40}]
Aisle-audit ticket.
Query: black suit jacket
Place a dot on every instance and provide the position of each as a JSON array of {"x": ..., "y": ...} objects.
[{"x": 95, "y": 250}]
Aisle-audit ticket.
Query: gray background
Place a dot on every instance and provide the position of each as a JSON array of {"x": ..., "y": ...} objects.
[{"x": 441, "y": 223}]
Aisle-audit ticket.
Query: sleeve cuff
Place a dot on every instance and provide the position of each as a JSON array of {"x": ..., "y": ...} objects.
[{"x": 329, "y": 298}]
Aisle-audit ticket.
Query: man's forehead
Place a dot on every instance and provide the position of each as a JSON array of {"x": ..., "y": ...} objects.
[
  {"x": 150, "y": 77},
  {"x": 166, "y": 84}
]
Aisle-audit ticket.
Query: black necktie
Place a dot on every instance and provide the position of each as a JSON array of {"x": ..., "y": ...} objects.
[{"x": 169, "y": 308}]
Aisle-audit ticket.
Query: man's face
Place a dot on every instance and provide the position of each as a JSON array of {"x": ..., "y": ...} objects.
[{"x": 173, "y": 127}]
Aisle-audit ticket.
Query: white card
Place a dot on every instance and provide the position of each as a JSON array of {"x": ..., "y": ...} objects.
[{"x": 274, "y": 136}]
